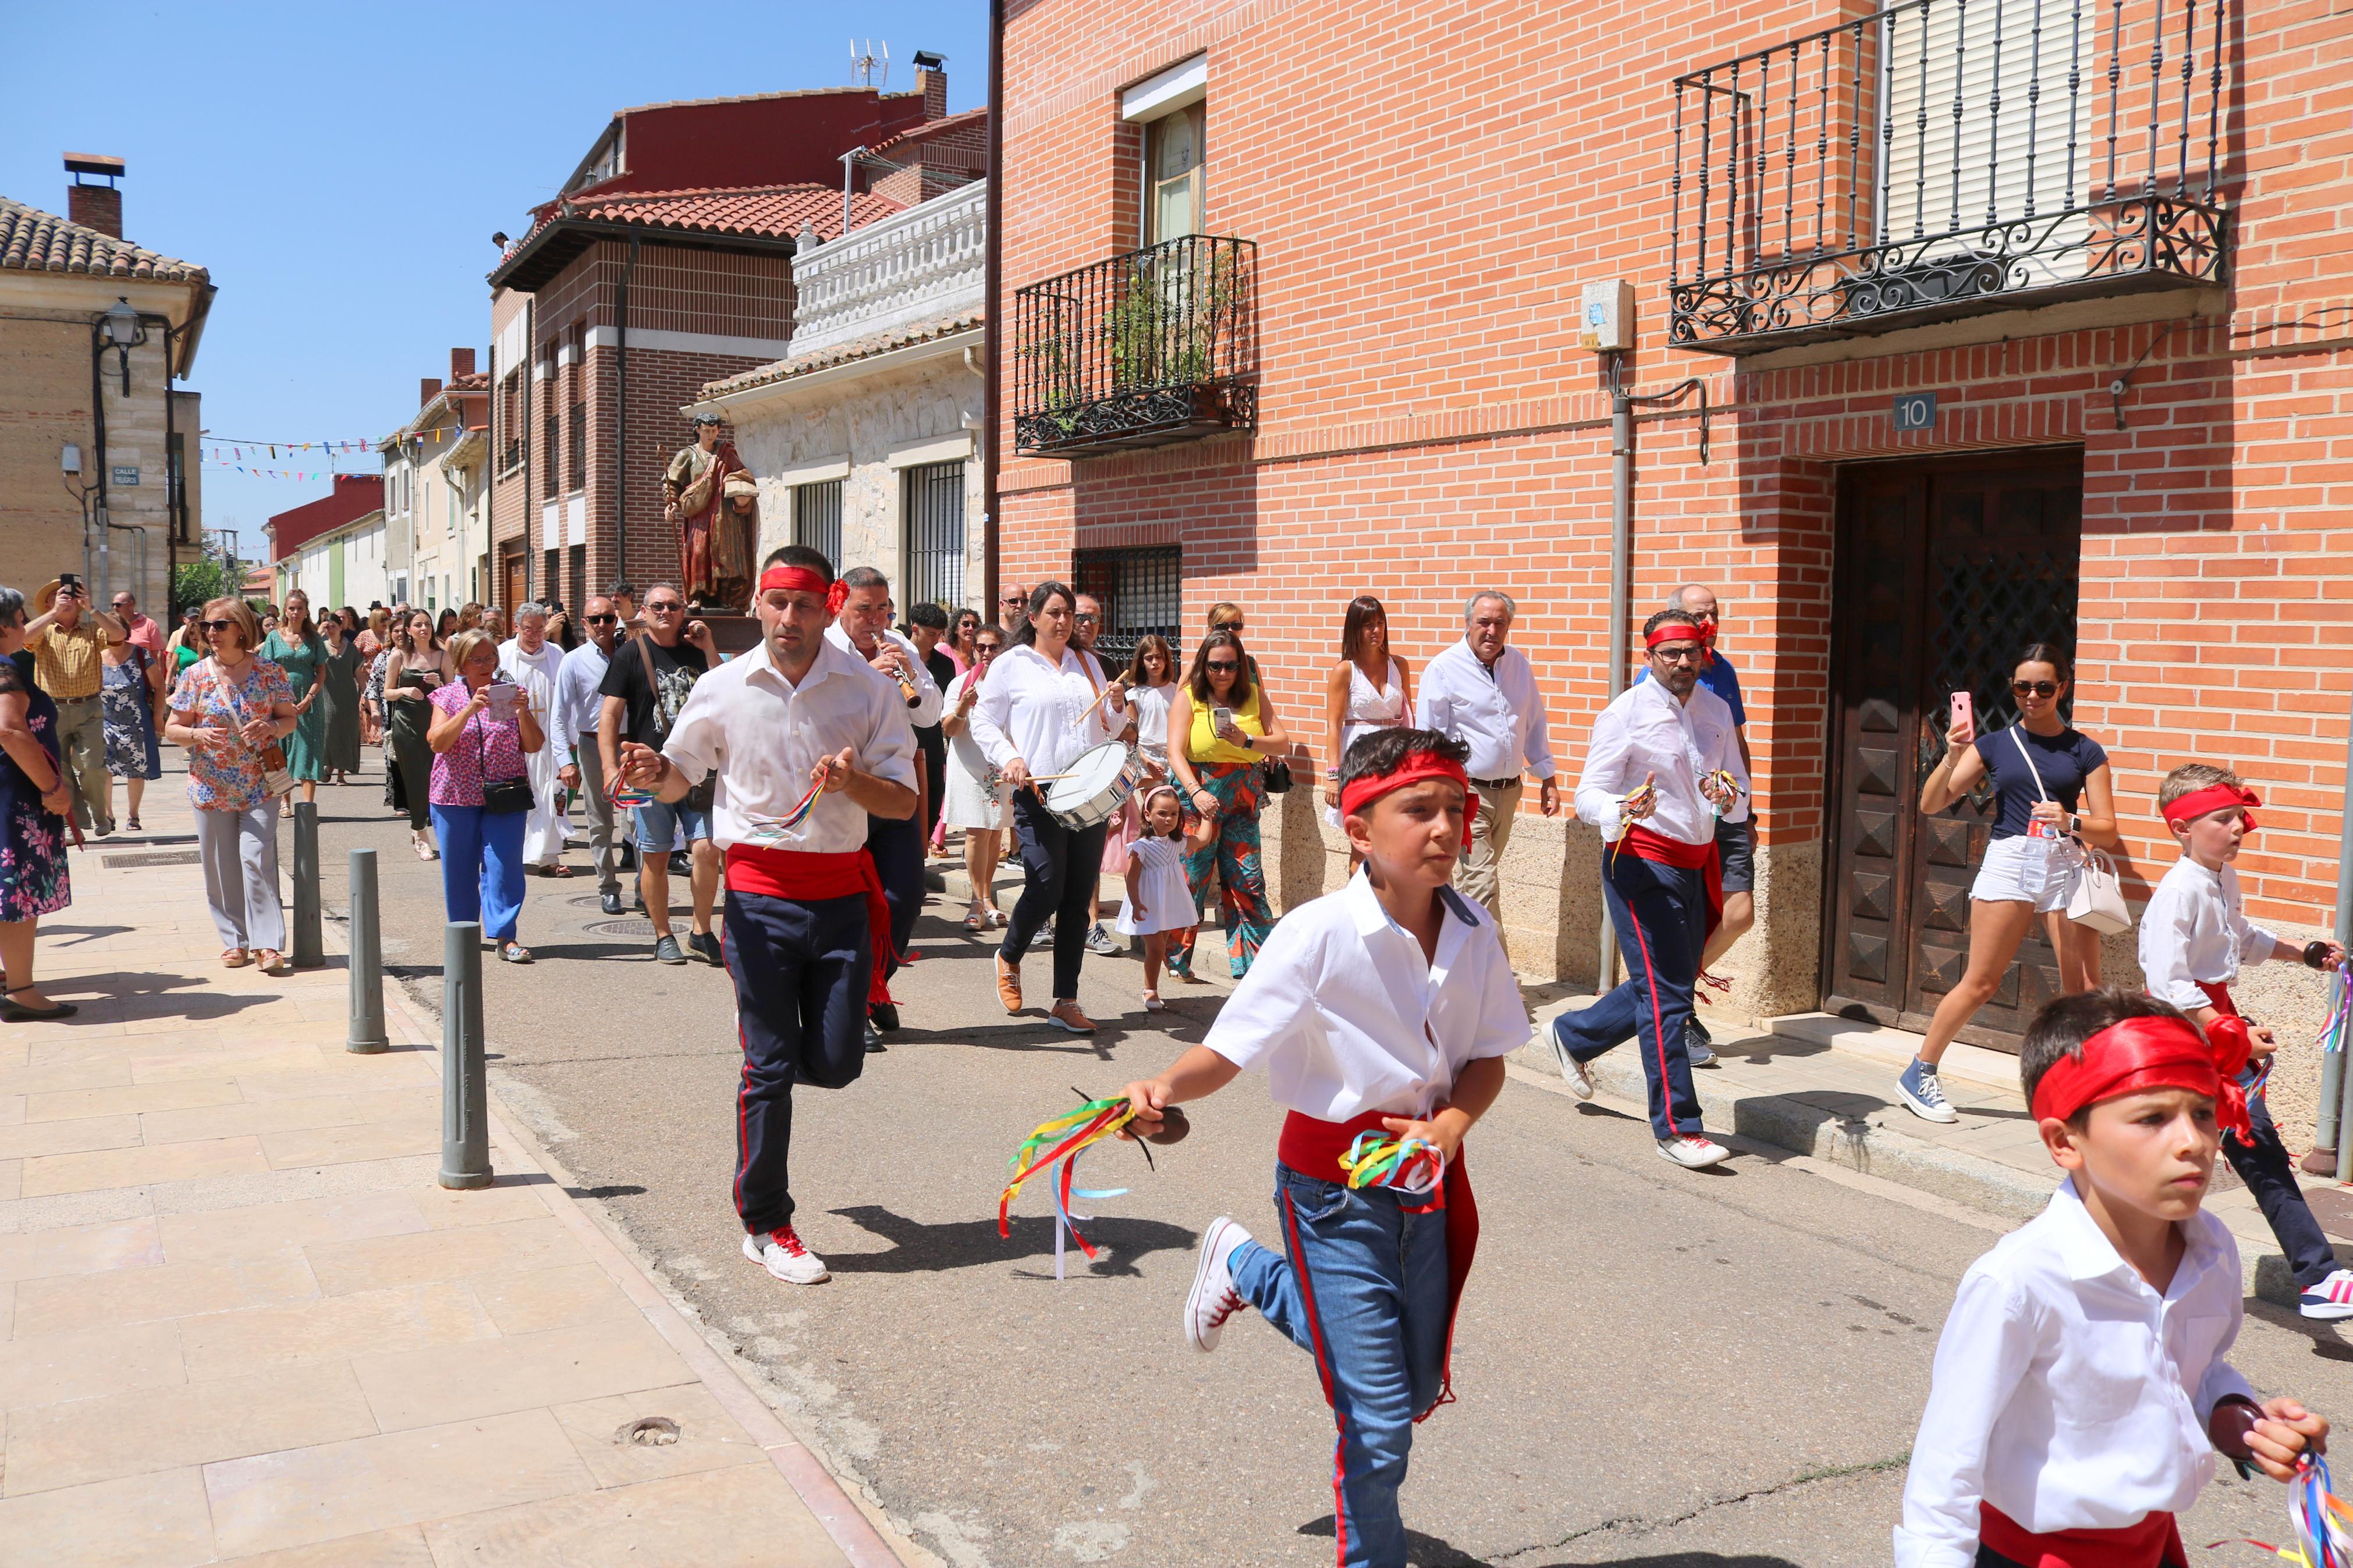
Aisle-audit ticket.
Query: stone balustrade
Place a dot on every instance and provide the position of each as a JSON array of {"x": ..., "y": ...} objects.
[{"x": 919, "y": 264}]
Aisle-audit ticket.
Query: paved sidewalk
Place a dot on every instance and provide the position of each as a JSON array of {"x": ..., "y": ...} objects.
[{"x": 239, "y": 1321}]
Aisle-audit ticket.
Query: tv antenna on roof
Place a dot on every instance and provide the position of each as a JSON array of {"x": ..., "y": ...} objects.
[{"x": 867, "y": 69}]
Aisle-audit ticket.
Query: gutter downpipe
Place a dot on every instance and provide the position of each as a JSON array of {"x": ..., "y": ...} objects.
[
  {"x": 2335, "y": 1095},
  {"x": 175, "y": 492},
  {"x": 992, "y": 271},
  {"x": 93, "y": 559},
  {"x": 531, "y": 356},
  {"x": 621, "y": 416},
  {"x": 1621, "y": 572}
]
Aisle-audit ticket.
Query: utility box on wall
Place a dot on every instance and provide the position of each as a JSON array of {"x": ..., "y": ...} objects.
[{"x": 1605, "y": 317}]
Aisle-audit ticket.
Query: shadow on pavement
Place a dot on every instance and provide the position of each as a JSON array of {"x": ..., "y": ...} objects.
[
  {"x": 129, "y": 998},
  {"x": 1430, "y": 1552},
  {"x": 974, "y": 1243}
]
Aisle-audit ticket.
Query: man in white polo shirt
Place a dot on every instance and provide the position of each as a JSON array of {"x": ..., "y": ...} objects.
[
  {"x": 807, "y": 744},
  {"x": 1483, "y": 694}
]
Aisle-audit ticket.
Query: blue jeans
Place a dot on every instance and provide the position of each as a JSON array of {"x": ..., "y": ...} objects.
[
  {"x": 481, "y": 867},
  {"x": 1660, "y": 913},
  {"x": 1363, "y": 1291}
]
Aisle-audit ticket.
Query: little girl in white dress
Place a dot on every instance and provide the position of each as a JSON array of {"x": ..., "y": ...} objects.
[{"x": 1159, "y": 900}]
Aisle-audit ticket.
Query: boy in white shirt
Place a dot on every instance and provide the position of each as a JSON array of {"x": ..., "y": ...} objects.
[
  {"x": 2193, "y": 937},
  {"x": 2080, "y": 1389},
  {"x": 1385, "y": 1008}
]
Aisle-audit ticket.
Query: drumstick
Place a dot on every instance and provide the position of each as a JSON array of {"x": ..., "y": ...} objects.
[{"x": 1091, "y": 708}]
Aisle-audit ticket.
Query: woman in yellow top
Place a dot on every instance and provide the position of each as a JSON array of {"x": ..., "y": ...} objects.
[{"x": 1222, "y": 727}]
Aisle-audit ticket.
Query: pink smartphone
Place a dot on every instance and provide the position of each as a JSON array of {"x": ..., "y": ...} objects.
[{"x": 1964, "y": 710}]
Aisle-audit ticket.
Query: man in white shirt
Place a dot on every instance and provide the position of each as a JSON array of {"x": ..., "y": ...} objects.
[
  {"x": 2194, "y": 935},
  {"x": 1483, "y": 692},
  {"x": 531, "y": 662},
  {"x": 864, "y": 629},
  {"x": 1661, "y": 769},
  {"x": 579, "y": 707},
  {"x": 809, "y": 747}
]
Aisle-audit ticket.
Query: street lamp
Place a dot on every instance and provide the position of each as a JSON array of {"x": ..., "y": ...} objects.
[{"x": 124, "y": 331}]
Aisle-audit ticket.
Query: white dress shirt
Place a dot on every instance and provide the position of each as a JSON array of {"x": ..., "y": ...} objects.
[
  {"x": 1030, "y": 708},
  {"x": 1645, "y": 731},
  {"x": 927, "y": 711},
  {"x": 1349, "y": 1018},
  {"x": 579, "y": 699},
  {"x": 1494, "y": 712},
  {"x": 2067, "y": 1393},
  {"x": 2194, "y": 929},
  {"x": 765, "y": 735}
]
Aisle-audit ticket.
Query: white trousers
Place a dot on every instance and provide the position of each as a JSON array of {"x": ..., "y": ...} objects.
[{"x": 240, "y": 851}]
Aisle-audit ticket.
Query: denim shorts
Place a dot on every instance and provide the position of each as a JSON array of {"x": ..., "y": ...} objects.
[
  {"x": 2038, "y": 872},
  {"x": 659, "y": 825}
]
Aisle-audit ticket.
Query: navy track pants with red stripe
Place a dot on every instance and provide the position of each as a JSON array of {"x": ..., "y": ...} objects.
[
  {"x": 801, "y": 971},
  {"x": 1660, "y": 913}
]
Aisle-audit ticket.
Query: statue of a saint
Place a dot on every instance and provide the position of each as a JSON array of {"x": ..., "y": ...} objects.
[{"x": 712, "y": 495}]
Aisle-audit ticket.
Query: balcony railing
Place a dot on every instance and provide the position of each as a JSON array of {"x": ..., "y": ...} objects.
[
  {"x": 921, "y": 265},
  {"x": 1944, "y": 157},
  {"x": 1155, "y": 346}
]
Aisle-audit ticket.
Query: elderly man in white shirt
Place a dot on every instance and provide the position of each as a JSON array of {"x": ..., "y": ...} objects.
[
  {"x": 810, "y": 748},
  {"x": 579, "y": 708},
  {"x": 864, "y": 630},
  {"x": 1044, "y": 705},
  {"x": 1663, "y": 767},
  {"x": 1483, "y": 692},
  {"x": 533, "y": 663}
]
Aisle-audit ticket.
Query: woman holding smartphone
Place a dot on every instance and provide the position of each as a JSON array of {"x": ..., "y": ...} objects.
[
  {"x": 2052, "y": 796},
  {"x": 1221, "y": 728},
  {"x": 482, "y": 730}
]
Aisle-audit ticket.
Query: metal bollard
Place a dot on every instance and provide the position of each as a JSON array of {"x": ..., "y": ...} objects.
[
  {"x": 310, "y": 944},
  {"x": 465, "y": 1135},
  {"x": 366, "y": 1035}
]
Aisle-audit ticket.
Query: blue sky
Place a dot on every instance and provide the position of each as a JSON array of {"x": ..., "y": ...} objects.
[{"x": 341, "y": 168}]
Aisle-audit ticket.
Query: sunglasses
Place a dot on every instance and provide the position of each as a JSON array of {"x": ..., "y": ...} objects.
[
  {"x": 602, "y": 620},
  {"x": 1010, "y": 599},
  {"x": 1225, "y": 625},
  {"x": 217, "y": 626},
  {"x": 1222, "y": 668},
  {"x": 663, "y": 608},
  {"x": 2034, "y": 687},
  {"x": 1089, "y": 619}
]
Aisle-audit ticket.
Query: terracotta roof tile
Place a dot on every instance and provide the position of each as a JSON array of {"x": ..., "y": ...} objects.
[
  {"x": 931, "y": 129},
  {"x": 479, "y": 380},
  {"x": 773, "y": 211},
  {"x": 33, "y": 241},
  {"x": 843, "y": 353}
]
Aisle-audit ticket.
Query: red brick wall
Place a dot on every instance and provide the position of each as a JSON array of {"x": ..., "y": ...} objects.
[{"x": 1427, "y": 424}]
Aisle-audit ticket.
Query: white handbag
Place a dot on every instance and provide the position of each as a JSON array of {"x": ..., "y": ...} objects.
[{"x": 2096, "y": 899}]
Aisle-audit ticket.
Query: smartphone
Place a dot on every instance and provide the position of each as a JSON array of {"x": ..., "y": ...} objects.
[
  {"x": 1220, "y": 717},
  {"x": 1963, "y": 709},
  {"x": 69, "y": 580}
]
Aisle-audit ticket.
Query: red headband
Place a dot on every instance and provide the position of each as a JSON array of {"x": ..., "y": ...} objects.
[
  {"x": 1676, "y": 631},
  {"x": 2138, "y": 1054},
  {"x": 801, "y": 580},
  {"x": 2214, "y": 798},
  {"x": 1357, "y": 796}
]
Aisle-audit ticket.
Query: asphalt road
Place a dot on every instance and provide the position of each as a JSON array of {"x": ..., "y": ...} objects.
[{"x": 1718, "y": 1370}]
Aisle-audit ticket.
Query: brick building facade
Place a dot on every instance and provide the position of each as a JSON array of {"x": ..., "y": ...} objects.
[
  {"x": 2142, "y": 419},
  {"x": 665, "y": 265}
]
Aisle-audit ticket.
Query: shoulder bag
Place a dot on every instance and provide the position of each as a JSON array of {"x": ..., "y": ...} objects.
[
  {"x": 2096, "y": 899},
  {"x": 700, "y": 797},
  {"x": 277, "y": 779},
  {"x": 500, "y": 797}
]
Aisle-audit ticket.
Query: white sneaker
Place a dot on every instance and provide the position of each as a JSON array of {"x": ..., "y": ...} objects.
[
  {"x": 1693, "y": 1152},
  {"x": 1578, "y": 1074},
  {"x": 780, "y": 1252},
  {"x": 1213, "y": 1298}
]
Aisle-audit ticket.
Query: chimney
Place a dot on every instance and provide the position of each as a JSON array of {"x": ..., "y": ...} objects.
[
  {"x": 461, "y": 364},
  {"x": 93, "y": 205},
  {"x": 428, "y": 389},
  {"x": 932, "y": 81}
]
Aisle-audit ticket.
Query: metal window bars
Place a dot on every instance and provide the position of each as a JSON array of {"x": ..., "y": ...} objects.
[
  {"x": 933, "y": 507},
  {"x": 817, "y": 519},
  {"x": 1938, "y": 157},
  {"x": 1142, "y": 591},
  {"x": 1156, "y": 345}
]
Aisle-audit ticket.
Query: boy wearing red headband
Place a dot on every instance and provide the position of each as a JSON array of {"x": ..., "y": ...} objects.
[
  {"x": 808, "y": 744},
  {"x": 1381, "y": 1011},
  {"x": 2193, "y": 937},
  {"x": 2080, "y": 1389}
]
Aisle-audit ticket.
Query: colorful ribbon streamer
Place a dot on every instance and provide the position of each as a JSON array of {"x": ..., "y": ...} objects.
[
  {"x": 1630, "y": 810},
  {"x": 1411, "y": 1165},
  {"x": 2322, "y": 1522},
  {"x": 2337, "y": 1032},
  {"x": 1062, "y": 1139},
  {"x": 1722, "y": 778},
  {"x": 625, "y": 794}
]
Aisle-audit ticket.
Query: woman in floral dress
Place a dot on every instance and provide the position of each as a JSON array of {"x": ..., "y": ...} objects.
[
  {"x": 1220, "y": 767},
  {"x": 133, "y": 691},
  {"x": 226, "y": 711},
  {"x": 33, "y": 880}
]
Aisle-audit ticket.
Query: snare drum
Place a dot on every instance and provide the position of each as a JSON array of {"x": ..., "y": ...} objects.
[{"x": 1096, "y": 785}]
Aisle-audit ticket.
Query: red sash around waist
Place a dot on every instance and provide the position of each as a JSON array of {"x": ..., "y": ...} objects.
[
  {"x": 1313, "y": 1148},
  {"x": 1700, "y": 858},
  {"x": 2219, "y": 997},
  {"x": 2153, "y": 1541},
  {"x": 805, "y": 878}
]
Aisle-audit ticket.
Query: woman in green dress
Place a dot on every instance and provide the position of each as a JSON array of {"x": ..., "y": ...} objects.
[
  {"x": 296, "y": 647},
  {"x": 339, "y": 696}
]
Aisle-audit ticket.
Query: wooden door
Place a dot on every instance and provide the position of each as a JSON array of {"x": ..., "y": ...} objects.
[
  {"x": 1945, "y": 569},
  {"x": 511, "y": 576}
]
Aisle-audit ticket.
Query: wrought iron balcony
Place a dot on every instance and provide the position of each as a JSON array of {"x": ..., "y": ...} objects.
[
  {"x": 1155, "y": 346},
  {"x": 1942, "y": 158}
]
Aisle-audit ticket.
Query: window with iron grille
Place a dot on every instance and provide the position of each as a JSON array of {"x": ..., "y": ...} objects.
[
  {"x": 579, "y": 446},
  {"x": 549, "y": 431},
  {"x": 931, "y": 497},
  {"x": 1141, "y": 592},
  {"x": 817, "y": 519}
]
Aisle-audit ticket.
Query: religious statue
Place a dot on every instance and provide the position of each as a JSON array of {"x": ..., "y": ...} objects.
[{"x": 713, "y": 498}]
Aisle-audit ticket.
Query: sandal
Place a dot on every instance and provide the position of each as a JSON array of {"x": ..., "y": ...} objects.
[
  {"x": 270, "y": 961},
  {"x": 514, "y": 952},
  {"x": 235, "y": 958},
  {"x": 558, "y": 870},
  {"x": 1152, "y": 1004},
  {"x": 19, "y": 1013},
  {"x": 978, "y": 920},
  {"x": 132, "y": 823},
  {"x": 424, "y": 851}
]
